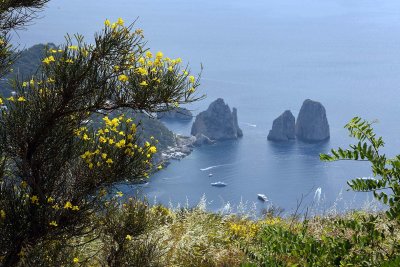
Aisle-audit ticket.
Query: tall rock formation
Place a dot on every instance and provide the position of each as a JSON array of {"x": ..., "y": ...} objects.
[
  {"x": 283, "y": 127},
  {"x": 218, "y": 122},
  {"x": 312, "y": 124}
]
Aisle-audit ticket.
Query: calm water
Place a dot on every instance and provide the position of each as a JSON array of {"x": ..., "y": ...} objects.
[{"x": 263, "y": 56}]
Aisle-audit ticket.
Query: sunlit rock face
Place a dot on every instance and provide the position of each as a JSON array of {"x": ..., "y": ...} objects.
[
  {"x": 217, "y": 123},
  {"x": 312, "y": 124},
  {"x": 283, "y": 128}
]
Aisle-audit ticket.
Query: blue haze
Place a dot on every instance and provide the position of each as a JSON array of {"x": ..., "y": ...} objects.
[{"x": 262, "y": 56}]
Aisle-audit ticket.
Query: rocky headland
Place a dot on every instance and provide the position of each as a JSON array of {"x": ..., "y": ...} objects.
[{"x": 179, "y": 114}]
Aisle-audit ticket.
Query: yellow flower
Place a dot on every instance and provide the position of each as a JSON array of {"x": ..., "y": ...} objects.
[
  {"x": 120, "y": 194},
  {"x": 84, "y": 52},
  {"x": 152, "y": 149},
  {"x": 107, "y": 23},
  {"x": 159, "y": 55},
  {"x": 69, "y": 61},
  {"x": 90, "y": 165},
  {"x": 50, "y": 200},
  {"x": 56, "y": 207},
  {"x": 32, "y": 82},
  {"x": 144, "y": 83},
  {"x": 111, "y": 141},
  {"x": 139, "y": 31},
  {"x": 120, "y": 22},
  {"x": 141, "y": 61},
  {"x": 11, "y": 98},
  {"x": 24, "y": 84},
  {"x": 102, "y": 139},
  {"x": 123, "y": 78},
  {"x": 53, "y": 51},
  {"x": 191, "y": 90},
  {"x": 128, "y": 237},
  {"x": 75, "y": 260},
  {"x": 53, "y": 223},
  {"x": 109, "y": 161},
  {"x": 86, "y": 137},
  {"x": 2, "y": 214},
  {"x": 21, "y": 99},
  {"x": 159, "y": 167},
  {"x": 48, "y": 60},
  {"x": 75, "y": 208},
  {"x": 170, "y": 68},
  {"x": 87, "y": 154},
  {"x": 149, "y": 54},
  {"x": 121, "y": 143},
  {"x": 104, "y": 155},
  {"x": 68, "y": 205},
  {"x": 116, "y": 68},
  {"x": 24, "y": 184},
  {"x": 35, "y": 200},
  {"x": 147, "y": 144},
  {"x": 142, "y": 71},
  {"x": 191, "y": 79},
  {"x": 73, "y": 47}
]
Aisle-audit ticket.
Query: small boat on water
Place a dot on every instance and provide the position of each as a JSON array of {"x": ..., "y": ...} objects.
[
  {"x": 262, "y": 197},
  {"x": 210, "y": 174},
  {"x": 218, "y": 184}
]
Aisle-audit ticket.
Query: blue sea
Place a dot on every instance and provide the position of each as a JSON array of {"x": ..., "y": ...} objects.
[{"x": 262, "y": 57}]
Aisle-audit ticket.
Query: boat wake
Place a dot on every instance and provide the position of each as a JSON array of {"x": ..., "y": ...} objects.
[
  {"x": 213, "y": 167},
  {"x": 249, "y": 124}
]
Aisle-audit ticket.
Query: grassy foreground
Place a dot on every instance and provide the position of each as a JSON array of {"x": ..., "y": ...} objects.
[{"x": 134, "y": 233}]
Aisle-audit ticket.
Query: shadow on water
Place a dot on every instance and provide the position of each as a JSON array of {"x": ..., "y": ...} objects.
[{"x": 302, "y": 148}]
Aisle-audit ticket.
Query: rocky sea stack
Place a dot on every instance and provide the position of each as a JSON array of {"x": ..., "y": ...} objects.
[
  {"x": 217, "y": 123},
  {"x": 312, "y": 124},
  {"x": 180, "y": 114},
  {"x": 283, "y": 127}
]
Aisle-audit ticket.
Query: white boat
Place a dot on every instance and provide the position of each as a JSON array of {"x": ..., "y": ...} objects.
[
  {"x": 210, "y": 174},
  {"x": 262, "y": 197},
  {"x": 218, "y": 184}
]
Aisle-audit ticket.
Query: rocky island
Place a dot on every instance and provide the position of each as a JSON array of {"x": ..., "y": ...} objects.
[
  {"x": 217, "y": 123},
  {"x": 312, "y": 124},
  {"x": 283, "y": 127}
]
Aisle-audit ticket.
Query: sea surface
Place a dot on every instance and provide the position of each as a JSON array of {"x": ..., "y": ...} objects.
[{"x": 262, "y": 57}]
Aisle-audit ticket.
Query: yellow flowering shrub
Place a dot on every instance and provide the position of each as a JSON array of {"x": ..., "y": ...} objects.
[
  {"x": 59, "y": 165},
  {"x": 244, "y": 229}
]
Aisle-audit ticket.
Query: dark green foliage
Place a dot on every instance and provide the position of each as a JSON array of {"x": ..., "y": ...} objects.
[
  {"x": 386, "y": 182},
  {"x": 355, "y": 240},
  {"x": 126, "y": 234}
]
